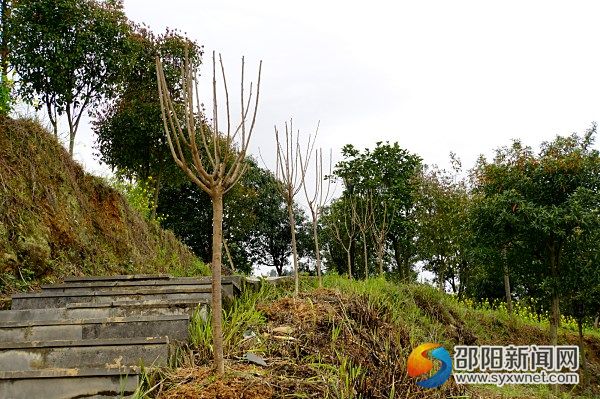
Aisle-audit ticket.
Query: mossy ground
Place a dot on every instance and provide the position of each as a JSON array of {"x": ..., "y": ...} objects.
[
  {"x": 56, "y": 220},
  {"x": 349, "y": 339}
]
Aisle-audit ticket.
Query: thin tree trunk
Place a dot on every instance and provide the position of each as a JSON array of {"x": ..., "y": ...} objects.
[
  {"x": 71, "y": 131},
  {"x": 398, "y": 258},
  {"x": 54, "y": 128},
  {"x": 349, "y": 260},
  {"x": 441, "y": 277},
  {"x": 353, "y": 255},
  {"x": 217, "y": 241},
  {"x": 462, "y": 279},
  {"x": 279, "y": 269},
  {"x": 156, "y": 191},
  {"x": 294, "y": 248},
  {"x": 317, "y": 250},
  {"x": 507, "y": 289},
  {"x": 406, "y": 269},
  {"x": 71, "y": 144},
  {"x": 554, "y": 319},
  {"x": 365, "y": 255},
  {"x": 596, "y": 322},
  {"x": 584, "y": 367},
  {"x": 231, "y": 265},
  {"x": 555, "y": 308},
  {"x": 53, "y": 119},
  {"x": 380, "y": 248},
  {"x": 380, "y": 259},
  {"x": 453, "y": 284}
]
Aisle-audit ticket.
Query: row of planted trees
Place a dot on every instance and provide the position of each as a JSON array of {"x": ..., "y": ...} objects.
[
  {"x": 522, "y": 226},
  {"x": 516, "y": 227}
]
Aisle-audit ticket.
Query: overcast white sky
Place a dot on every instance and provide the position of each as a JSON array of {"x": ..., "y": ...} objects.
[{"x": 436, "y": 76}]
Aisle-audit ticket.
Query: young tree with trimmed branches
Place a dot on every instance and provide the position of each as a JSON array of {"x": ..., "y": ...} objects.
[
  {"x": 218, "y": 167},
  {"x": 316, "y": 202},
  {"x": 290, "y": 170}
]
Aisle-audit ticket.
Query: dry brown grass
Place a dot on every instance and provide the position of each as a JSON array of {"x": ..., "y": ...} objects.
[
  {"x": 239, "y": 382},
  {"x": 321, "y": 344}
]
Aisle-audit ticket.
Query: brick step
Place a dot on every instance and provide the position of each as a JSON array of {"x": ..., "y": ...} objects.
[
  {"x": 124, "y": 283},
  {"x": 232, "y": 285},
  {"x": 89, "y": 336},
  {"x": 188, "y": 284}
]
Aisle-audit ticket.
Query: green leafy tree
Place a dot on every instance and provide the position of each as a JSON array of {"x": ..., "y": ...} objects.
[
  {"x": 387, "y": 172},
  {"x": 494, "y": 224},
  {"x": 272, "y": 243},
  {"x": 443, "y": 236},
  {"x": 130, "y": 131},
  {"x": 264, "y": 208},
  {"x": 187, "y": 212},
  {"x": 68, "y": 55},
  {"x": 552, "y": 195}
]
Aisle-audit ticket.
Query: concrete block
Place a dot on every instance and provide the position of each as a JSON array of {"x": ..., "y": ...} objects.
[
  {"x": 95, "y": 353},
  {"x": 57, "y": 300},
  {"x": 102, "y": 310},
  {"x": 69, "y": 384},
  {"x": 119, "y": 277},
  {"x": 173, "y": 326},
  {"x": 103, "y": 284}
]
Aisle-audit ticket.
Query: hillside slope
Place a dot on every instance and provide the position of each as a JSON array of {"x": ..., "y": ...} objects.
[
  {"x": 56, "y": 220},
  {"x": 352, "y": 339}
]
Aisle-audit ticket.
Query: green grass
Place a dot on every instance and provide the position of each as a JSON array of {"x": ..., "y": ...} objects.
[
  {"x": 352, "y": 338},
  {"x": 427, "y": 313},
  {"x": 239, "y": 317}
]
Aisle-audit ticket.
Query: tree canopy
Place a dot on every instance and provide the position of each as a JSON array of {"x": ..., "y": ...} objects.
[
  {"x": 388, "y": 173},
  {"x": 544, "y": 200},
  {"x": 69, "y": 55},
  {"x": 130, "y": 131}
]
